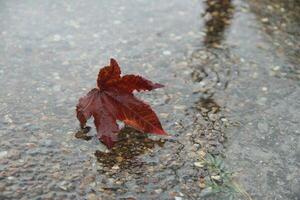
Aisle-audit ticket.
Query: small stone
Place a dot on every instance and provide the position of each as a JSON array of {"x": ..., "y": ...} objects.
[
  {"x": 217, "y": 177},
  {"x": 74, "y": 24},
  {"x": 87, "y": 180},
  {"x": 224, "y": 119},
  {"x": 119, "y": 182},
  {"x": 158, "y": 191},
  {"x": 207, "y": 191},
  {"x": 167, "y": 53},
  {"x": 212, "y": 117},
  {"x": 264, "y": 89},
  {"x": 255, "y": 75},
  {"x": 276, "y": 68},
  {"x": 3, "y": 154},
  {"x": 56, "y": 38},
  {"x": 92, "y": 196},
  {"x": 130, "y": 198},
  {"x": 164, "y": 115},
  {"x": 202, "y": 184},
  {"x": 56, "y": 75},
  {"x": 64, "y": 185},
  {"x": 264, "y": 20},
  {"x": 8, "y": 119},
  {"x": 31, "y": 145},
  {"x": 115, "y": 167},
  {"x": 198, "y": 164},
  {"x": 178, "y": 198},
  {"x": 95, "y": 35},
  {"x": 191, "y": 33},
  {"x": 2, "y": 187},
  {"x": 56, "y": 175},
  {"x": 119, "y": 158},
  {"x": 179, "y": 107},
  {"x": 202, "y": 154},
  {"x": 182, "y": 64}
]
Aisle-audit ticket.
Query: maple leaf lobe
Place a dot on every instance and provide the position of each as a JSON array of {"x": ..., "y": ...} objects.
[
  {"x": 113, "y": 100},
  {"x": 109, "y": 73}
]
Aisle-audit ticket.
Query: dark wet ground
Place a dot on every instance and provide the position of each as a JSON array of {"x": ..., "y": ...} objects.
[{"x": 231, "y": 72}]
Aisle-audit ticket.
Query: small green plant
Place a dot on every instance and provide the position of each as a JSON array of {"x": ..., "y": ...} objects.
[{"x": 220, "y": 181}]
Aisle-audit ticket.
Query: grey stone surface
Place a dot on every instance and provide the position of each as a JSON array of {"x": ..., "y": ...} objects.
[{"x": 233, "y": 91}]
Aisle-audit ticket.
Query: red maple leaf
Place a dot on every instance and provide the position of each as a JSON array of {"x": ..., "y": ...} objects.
[{"x": 113, "y": 100}]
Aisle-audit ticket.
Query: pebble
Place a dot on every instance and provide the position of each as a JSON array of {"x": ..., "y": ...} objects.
[
  {"x": 3, "y": 154},
  {"x": 158, "y": 191},
  {"x": 115, "y": 167},
  {"x": 179, "y": 107},
  {"x": 8, "y": 119},
  {"x": 119, "y": 158},
  {"x": 207, "y": 191},
  {"x": 198, "y": 164},
  {"x": 202, "y": 184},
  {"x": 217, "y": 177},
  {"x": 2, "y": 187},
  {"x": 64, "y": 185},
  {"x": 212, "y": 117},
  {"x": 164, "y": 115},
  {"x": 56, "y": 38},
  {"x": 74, "y": 24},
  {"x": 255, "y": 75},
  {"x": 276, "y": 68},
  {"x": 31, "y": 145},
  {"x": 264, "y": 89},
  {"x": 56, "y": 75},
  {"x": 223, "y": 119},
  {"x": 92, "y": 196},
  {"x": 87, "y": 180},
  {"x": 167, "y": 53}
]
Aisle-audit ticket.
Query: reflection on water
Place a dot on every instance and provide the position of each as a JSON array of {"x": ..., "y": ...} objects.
[
  {"x": 206, "y": 105},
  {"x": 131, "y": 144},
  {"x": 82, "y": 133},
  {"x": 218, "y": 14}
]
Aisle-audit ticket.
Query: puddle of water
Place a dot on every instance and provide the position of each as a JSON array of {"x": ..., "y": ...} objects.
[
  {"x": 206, "y": 105},
  {"x": 82, "y": 133},
  {"x": 130, "y": 145}
]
